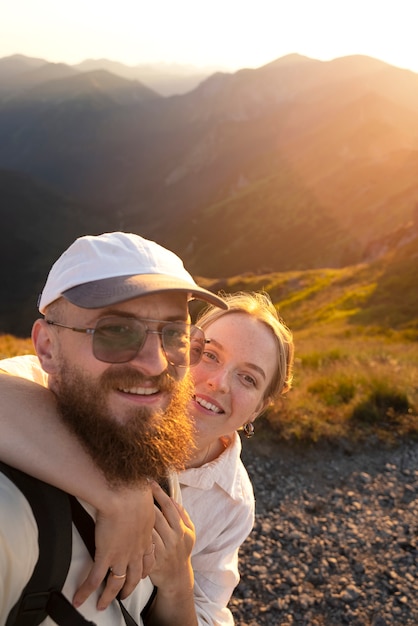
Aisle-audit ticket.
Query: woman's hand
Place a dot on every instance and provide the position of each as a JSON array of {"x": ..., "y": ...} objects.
[
  {"x": 124, "y": 543},
  {"x": 174, "y": 539},
  {"x": 172, "y": 574}
]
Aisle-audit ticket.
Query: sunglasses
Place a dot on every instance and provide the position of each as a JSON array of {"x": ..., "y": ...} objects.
[{"x": 120, "y": 339}]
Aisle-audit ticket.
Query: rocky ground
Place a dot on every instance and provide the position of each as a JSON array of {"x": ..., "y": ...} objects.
[{"x": 335, "y": 540}]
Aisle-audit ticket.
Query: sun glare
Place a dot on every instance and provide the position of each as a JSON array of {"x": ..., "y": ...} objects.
[{"x": 232, "y": 34}]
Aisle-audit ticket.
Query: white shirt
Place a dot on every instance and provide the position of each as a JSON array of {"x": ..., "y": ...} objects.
[{"x": 220, "y": 501}]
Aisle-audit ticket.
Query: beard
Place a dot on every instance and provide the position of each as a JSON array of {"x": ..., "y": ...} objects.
[{"x": 149, "y": 444}]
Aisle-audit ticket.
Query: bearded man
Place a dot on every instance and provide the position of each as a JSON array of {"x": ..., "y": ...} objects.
[{"x": 115, "y": 344}]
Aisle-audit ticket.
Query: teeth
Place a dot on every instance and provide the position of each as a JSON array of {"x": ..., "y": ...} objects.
[
  {"x": 208, "y": 405},
  {"x": 141, "y": 391}
]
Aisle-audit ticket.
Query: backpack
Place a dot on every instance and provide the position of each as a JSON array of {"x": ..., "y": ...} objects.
[
  {"x": 42, "y": 595},
  {"x": 54, "y": 512}
]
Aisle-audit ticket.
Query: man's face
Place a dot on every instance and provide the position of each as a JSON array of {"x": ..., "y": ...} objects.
[
  {"x": 131, "y": 416},
  {"x": 134, "y": 383}
]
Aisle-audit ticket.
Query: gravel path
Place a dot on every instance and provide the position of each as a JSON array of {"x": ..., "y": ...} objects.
[{"x": 335, "y": 540}]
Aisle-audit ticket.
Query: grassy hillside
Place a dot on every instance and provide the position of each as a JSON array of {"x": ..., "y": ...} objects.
[{"x": 356, "y": 336}]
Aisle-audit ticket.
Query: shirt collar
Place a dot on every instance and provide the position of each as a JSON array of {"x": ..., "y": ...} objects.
[{"x": 222, "y": 471}]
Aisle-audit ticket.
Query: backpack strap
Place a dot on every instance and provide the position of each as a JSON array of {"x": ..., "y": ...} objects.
[{"x": 42, "y": 595}]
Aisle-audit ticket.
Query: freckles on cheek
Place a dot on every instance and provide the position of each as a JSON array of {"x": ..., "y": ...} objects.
[{"x": 196, "y": 374}]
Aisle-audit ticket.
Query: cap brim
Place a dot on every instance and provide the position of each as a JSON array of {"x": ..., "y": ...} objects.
[{"x": 101, "y": 293}]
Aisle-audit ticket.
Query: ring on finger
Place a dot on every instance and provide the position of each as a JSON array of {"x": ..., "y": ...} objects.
[{"x": 118, "y": 576}]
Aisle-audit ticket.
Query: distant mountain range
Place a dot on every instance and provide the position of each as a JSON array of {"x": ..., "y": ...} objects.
[
  {"x": 296, "y": 165},
  {"x": 18, "y": 72}
]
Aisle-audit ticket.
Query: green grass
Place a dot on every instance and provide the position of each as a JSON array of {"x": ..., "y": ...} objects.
[{"x": 349, "y": 388}]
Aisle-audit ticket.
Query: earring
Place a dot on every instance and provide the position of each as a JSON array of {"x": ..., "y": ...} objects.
[{"x": 249, "y": 430}]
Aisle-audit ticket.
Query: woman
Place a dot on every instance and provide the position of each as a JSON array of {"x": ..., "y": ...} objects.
[{"x": 246, "y": 365}]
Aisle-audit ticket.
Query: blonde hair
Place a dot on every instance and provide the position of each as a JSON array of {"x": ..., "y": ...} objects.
[{"x": 259, "y": 305}]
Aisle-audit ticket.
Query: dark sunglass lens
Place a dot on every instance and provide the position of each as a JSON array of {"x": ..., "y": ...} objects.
[
  {"x": 197, "y": 345},
  {"x": 116, "y": 340},
  {"x": 176, "y": 343},
  {"x": 183, "y": 344}
]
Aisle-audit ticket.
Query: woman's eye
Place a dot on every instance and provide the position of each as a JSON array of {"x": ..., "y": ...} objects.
[
  {"x": 250, "y": 380},
  {"x": 209, "y": 356}
]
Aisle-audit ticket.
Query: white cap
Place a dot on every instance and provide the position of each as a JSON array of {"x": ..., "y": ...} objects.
[{"x": 96, "y": 271}]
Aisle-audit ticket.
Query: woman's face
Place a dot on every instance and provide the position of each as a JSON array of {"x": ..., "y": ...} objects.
[{"x": 237, "y": 366}]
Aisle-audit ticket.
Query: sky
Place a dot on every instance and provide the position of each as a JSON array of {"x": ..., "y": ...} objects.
[{"x": 229, "y": 34}]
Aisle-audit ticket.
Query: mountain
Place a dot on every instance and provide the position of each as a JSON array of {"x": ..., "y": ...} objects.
[
  {"x": 77, "y": 86},
  {"x": 37, "y": 225},
  {"x": 165, "y": 78},
  {"x": 296, "y": 165},
  {"x": 375, "y": 298},
  {"x": 54, "y": 131},
  {"x": 19, "y": 73},
  {"x": 17, "y": 64}
]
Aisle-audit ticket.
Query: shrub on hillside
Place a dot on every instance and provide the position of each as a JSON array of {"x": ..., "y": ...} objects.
[
  {"x": 384, "y": 404},
  {"x": 334, "y": 391}
]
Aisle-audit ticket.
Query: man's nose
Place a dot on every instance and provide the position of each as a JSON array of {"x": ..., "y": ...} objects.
[{"x": 151, "y": 359}]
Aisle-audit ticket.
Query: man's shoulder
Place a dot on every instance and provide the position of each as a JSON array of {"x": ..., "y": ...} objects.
[{"x": 25, "y": 366}]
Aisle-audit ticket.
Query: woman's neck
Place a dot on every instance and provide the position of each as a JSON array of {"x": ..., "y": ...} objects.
[{"x": 207, "y": 452}]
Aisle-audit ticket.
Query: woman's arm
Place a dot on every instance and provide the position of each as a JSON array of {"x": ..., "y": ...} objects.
[{"x": 36, "y": 441}]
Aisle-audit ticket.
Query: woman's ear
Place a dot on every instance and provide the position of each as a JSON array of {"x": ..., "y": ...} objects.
[
  {"x": 45, "y": 345},
  {"x": 261, "y": 408}
]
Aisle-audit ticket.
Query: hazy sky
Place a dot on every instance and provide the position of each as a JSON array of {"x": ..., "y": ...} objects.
[{"x": 228, "y": 33}]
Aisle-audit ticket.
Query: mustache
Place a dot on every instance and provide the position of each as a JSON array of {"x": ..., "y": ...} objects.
[{"x": 125, "y": 377}]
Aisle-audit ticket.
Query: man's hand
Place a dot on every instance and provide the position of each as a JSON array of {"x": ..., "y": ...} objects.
[{"x": 124, "y": 544}]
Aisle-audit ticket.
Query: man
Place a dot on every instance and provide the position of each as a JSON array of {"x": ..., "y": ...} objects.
[{"x": 115, "y": 343}]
